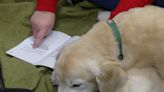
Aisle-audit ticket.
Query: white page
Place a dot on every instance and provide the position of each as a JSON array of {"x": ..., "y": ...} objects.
[
  {"x": 50, "y": 59},
  {"x": 43, "y": 55}
]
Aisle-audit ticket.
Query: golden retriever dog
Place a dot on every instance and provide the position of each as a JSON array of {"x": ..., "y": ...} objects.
[{"x": 91, "y": 63}]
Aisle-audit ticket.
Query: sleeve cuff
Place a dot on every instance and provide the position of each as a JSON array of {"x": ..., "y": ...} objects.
[{"x": 46, "y": 5}]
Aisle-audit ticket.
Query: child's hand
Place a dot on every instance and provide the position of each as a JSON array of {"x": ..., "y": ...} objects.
[{"x": 42, "y": 23}]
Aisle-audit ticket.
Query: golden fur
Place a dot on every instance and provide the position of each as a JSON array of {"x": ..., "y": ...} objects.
[{"x": 90, "y": 64}]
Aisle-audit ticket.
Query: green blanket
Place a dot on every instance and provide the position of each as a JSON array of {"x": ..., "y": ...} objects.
[
  {"x": 75, "y": 19},
  {"x": 15, "y": 27}
]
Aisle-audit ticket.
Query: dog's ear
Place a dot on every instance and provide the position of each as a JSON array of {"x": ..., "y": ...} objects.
[{"x": 110, "y": 77}]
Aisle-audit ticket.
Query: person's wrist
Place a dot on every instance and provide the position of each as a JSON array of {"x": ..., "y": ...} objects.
[
  {"x": 44, "y": 11},
  {"x": 45, "y": 14}
]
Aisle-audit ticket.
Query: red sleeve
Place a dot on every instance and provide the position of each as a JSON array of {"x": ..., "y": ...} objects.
[
  {"x": 46, "y": 5},
  {"x": 125, "y": 5}
]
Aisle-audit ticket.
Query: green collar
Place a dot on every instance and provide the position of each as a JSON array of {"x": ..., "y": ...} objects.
[{"x": 117, "y": 35}]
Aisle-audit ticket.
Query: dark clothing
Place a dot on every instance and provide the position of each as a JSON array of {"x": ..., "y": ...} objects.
[
  {"x": 159, "y": 3},
  {"x": 106, "y": 4}
]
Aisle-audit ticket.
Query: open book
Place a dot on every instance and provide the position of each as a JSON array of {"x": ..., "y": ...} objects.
[{"x": 46, "y": 54}]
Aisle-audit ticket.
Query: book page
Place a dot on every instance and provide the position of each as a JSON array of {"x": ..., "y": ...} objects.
[
  {"x": 45, "y": 54},
  {"x": 51, "y": 58}
]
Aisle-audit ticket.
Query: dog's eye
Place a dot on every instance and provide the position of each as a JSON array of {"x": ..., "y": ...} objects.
[{"x": 76, "y": 85}]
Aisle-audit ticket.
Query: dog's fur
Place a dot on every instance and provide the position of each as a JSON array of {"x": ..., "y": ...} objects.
[{"x": 91, "y": 63}]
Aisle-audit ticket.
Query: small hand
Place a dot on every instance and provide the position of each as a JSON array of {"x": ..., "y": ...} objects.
[{"x": 42, "y": 23}]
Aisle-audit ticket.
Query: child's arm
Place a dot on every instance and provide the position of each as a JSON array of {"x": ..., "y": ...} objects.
[{"x": 43, "y": 20}]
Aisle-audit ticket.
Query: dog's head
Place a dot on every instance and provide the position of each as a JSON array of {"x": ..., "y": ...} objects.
[{"x": 80, "y": 68}]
